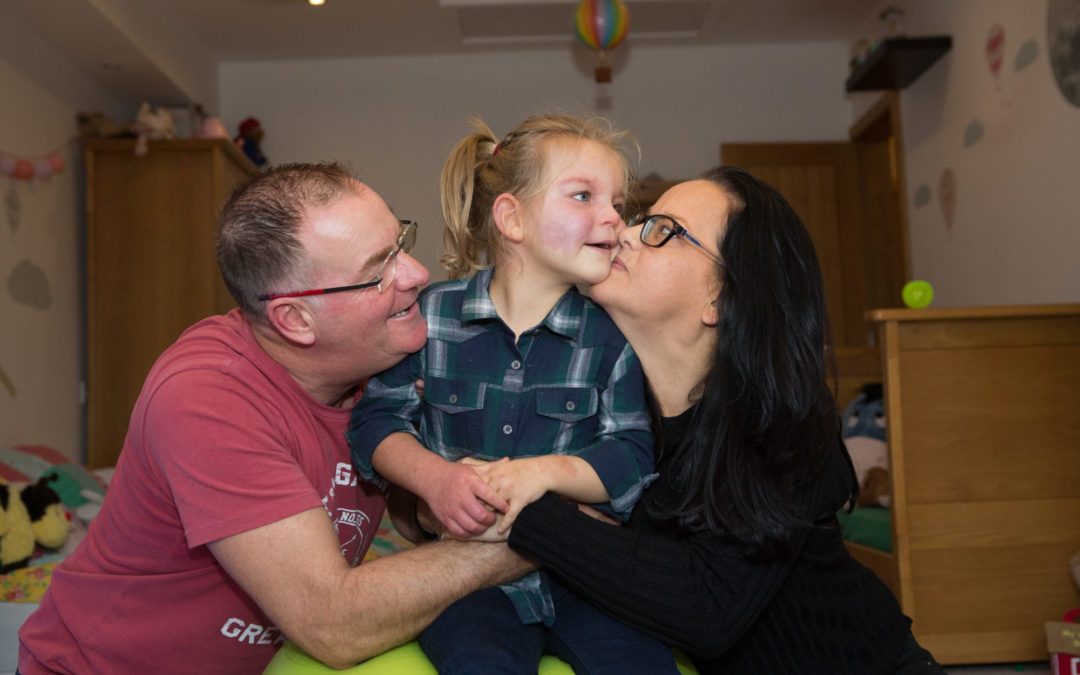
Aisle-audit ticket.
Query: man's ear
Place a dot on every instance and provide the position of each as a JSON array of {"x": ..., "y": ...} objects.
[
  {"x": 293, "y": 320},
  {"x": 509, "y": 214},
  {"x": 710, "y": 315}
]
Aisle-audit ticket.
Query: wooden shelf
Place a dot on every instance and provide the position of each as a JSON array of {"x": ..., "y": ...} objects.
[{"x": 897, "y": 62}]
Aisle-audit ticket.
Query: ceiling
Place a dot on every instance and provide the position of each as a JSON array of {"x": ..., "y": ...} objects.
[
  {"x": 169, "y": 49},
  {"x": 291, "y": 29}
]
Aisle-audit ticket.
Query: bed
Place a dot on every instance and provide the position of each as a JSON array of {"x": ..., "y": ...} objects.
[{"x": 983, "y": 414}]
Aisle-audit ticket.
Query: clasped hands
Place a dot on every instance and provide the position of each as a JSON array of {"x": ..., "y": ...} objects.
[{"x": 478, "y": 500}]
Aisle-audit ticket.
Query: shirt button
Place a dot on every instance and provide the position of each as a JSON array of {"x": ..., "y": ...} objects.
[
  {"x": 570, "y": 405},
  {"x": 453, "y": 398},
  {"x": 515, "y": 364},
  {"x": 507, "y": 429}
]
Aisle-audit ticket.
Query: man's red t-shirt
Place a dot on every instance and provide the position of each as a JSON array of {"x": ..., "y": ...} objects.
[{"x": 222, "y": 440}]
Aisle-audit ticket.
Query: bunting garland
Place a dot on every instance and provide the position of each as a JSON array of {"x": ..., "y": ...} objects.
[{"x": 23, "y": 168}]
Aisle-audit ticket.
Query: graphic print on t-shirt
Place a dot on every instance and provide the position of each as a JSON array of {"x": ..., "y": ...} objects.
[{"x": 349, "y": 524}]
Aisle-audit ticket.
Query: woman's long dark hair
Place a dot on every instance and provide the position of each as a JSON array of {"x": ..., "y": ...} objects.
[{"x": 766, "y": 421}]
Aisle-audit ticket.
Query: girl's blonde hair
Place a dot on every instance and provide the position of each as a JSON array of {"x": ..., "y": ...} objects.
[{"x": 480, "y": 168}]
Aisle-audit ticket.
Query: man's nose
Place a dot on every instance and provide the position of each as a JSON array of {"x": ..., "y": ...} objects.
[{"x": 411, "y": 272}]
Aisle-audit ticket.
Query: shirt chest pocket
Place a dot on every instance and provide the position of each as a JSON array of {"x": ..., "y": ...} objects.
[
  {"x": 567, "y": 404},
  {"x": 453, "y": 419},
  {"x": 454, "y": 396}
]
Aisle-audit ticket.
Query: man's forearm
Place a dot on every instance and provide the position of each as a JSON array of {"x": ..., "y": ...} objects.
[{"x": 392, "y": 599}]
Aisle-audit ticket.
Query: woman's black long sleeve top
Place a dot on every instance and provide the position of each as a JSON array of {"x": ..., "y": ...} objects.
[{"x": 818, "y": 611}]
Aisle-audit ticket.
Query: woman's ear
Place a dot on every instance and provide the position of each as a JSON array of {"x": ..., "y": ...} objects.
[
  {"x": 710, "y": 315},
  {"x": 293, "y": 320},
  {"x": 508, "y": 212}
]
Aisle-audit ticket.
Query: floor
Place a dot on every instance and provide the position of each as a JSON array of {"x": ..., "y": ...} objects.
[{"x": 1001, "y": 669}]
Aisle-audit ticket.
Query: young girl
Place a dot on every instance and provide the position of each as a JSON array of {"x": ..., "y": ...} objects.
[{"x": 520, "y": 365}]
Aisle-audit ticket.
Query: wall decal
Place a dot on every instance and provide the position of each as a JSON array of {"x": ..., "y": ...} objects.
[
  {"x": 1063, "y": 45},
  {"x": 973, "y": 133},
  {"x": 947, "y": 197},
  {"x": 995, "y": 52},
  {"x": 1029, "y": 52},
  {"x": 28, "y": 285},
  {"x": 12, "y": 208},
  {"x": 6, "y": 381},
  {"x": 922, "y": 196},
  {"x": 27, "y": 168}
]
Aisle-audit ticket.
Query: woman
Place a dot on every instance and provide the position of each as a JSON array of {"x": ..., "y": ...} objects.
[{"x": 734, "y": 554}]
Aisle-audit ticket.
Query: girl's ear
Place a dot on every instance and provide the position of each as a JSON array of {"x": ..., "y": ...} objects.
[
  {"x": 293, "y": 320},
  {"x": 509, "y": 212},
  {"x": 710, "y": 315}
]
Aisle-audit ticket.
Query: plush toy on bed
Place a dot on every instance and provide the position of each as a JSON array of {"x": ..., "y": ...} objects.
[
  {"x": 28, "y": 517},
  {"x": 864, "y": 434}
]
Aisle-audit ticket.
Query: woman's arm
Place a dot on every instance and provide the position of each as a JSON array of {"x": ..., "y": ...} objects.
[{"x": 698, "y": 593}]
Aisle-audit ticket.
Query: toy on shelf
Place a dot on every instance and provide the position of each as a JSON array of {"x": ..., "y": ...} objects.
[
  {"x": 249, "y": 140},
  {"x": 151, "y": 125},
  {"x": 917, "y": 294},
  {"x": 97, "y": 125}
]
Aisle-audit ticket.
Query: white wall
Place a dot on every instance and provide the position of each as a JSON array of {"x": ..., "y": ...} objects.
[
  {"x": 1015, "y": 235},
  {"x": 395, "y": 119},
  {"x": 41, "y": 260}
]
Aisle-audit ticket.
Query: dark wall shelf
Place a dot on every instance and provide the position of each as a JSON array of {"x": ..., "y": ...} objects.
[{"x": 897, "y": 62}]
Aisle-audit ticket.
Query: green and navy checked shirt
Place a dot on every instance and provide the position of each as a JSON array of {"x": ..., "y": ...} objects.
[{"x": 571, "y": 385}]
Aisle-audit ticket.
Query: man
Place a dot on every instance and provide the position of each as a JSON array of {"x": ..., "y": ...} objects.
[{"x": 234, "y": 517}]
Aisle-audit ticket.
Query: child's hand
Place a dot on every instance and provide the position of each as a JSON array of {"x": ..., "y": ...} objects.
[
  {"x": 520, "y": 482},
  {"x": 461, "y": 500}
]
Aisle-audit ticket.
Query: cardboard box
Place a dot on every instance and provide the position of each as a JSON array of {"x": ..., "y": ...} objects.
[{"x": 1063, "y": 643}]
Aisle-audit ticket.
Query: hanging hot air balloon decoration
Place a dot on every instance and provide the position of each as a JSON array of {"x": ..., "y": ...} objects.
[{"x": 602, "y": 25}]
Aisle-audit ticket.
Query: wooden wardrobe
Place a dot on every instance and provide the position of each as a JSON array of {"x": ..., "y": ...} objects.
[{"x": 150, "y": 265}]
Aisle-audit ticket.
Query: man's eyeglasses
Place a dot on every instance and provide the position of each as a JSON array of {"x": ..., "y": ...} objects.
[
  {"x": 384, "y": 275},
  {"x": 658, "y": 229}
]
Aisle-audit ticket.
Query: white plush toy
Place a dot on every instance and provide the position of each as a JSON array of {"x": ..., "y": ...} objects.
[{"x": 151, "y": 125}]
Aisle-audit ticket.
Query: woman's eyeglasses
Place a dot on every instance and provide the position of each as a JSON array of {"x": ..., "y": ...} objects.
[
  {"x": 658, "y": 229},
  {"x": 384, "y": 275}
]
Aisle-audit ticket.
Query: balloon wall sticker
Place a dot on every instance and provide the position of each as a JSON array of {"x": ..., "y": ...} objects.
[
  {"x": 6, "y": 382},
  {"x": 1028, "y": 54},
  {"x": 995, "y": 52},
  {"x": 922, "y": 196},
  {"x": 12, "y": 208},
  {"x": 602, "y": 25},
  {"x": 947, "y": 197},
  {"x": 28, "y": 285},
  {"x": 973, "y": 133}
]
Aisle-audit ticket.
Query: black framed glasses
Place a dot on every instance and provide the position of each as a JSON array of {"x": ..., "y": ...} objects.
[
  {"x": 658, "y": 229},
  {"x": 384, "y": 275}
]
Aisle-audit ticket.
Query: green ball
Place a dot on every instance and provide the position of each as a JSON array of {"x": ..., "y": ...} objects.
[{"x": 918, "y": 294}]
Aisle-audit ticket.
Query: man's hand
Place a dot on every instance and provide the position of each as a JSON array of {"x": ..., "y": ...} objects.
[{"x": 462, "y": 501}]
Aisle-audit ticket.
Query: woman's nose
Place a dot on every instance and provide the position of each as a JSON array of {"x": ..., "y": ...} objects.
[{"x": 628, "y": 236}]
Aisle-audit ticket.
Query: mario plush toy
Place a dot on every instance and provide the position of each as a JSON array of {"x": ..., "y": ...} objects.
[
  {"x": 28, "y": 517},
  {"x": 248, "y": 140}
]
